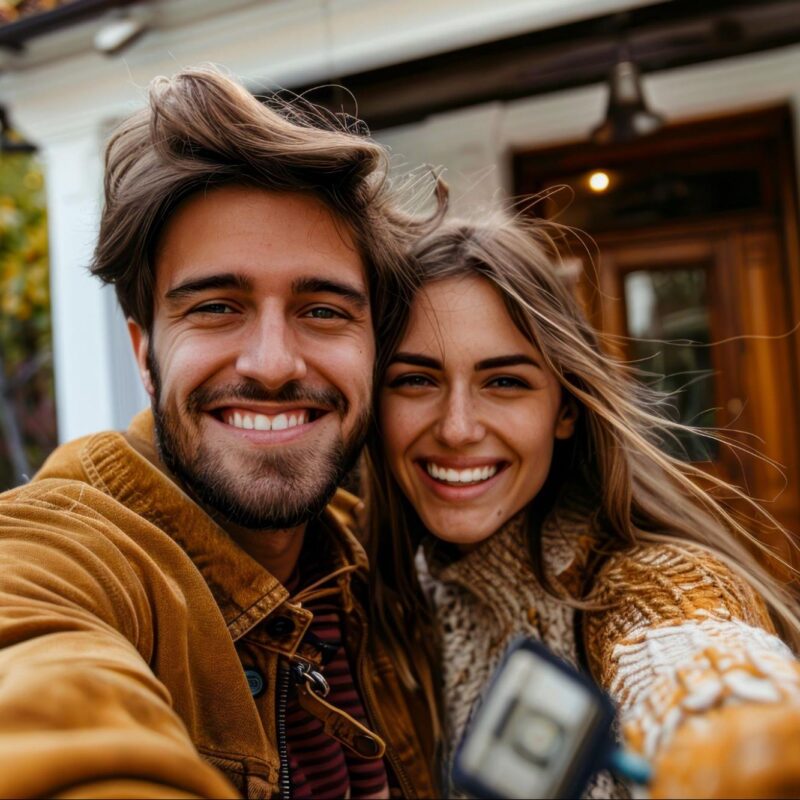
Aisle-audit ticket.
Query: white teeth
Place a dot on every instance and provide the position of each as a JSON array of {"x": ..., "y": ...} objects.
[
  {"x": 280, "y": 423},
  {"x": 475, "y": 475},
  {"x": 261, "y": 422}
]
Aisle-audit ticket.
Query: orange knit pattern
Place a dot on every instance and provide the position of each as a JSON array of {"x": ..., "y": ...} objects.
[
  {"x": 684, "y": 646},
  {"x": 682, "y": 636}
]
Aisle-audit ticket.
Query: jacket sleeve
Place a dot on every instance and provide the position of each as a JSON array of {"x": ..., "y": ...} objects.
[
  {"x": 81, "y": 713},
  {"x": 681, "y": 637}
]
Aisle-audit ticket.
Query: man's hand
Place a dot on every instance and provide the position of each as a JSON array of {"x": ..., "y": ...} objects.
[{"x": 748, "y": 750}]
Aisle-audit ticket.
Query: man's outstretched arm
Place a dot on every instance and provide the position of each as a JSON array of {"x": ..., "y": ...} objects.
[{"x": 81, "y": 713}]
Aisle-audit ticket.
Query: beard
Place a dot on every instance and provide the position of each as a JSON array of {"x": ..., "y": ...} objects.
[{"x": 272, "y": 490}]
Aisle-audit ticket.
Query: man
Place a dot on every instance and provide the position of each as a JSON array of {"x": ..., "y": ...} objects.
[{"x": 181, "y": 605}]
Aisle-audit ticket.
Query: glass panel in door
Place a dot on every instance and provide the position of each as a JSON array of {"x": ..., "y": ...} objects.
[{"x": 668, "y": 319}]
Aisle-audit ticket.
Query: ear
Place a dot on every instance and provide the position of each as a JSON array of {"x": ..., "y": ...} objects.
[
  {"x": 140, "y": 341},
  {"x": 567, "y": 418}
]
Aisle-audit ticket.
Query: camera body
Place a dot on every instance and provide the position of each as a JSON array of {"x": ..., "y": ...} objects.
[{"x": 542, "y": 730}]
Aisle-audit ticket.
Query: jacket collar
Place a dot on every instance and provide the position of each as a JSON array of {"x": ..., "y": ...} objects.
[{"x": 128, "y": 468}]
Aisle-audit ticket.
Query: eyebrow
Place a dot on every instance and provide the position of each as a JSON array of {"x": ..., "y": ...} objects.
[
  {"x": 418, "y": 360},
  {"x": 506, "y": 361},
  {"x": 328, "y": 286},
  {"x": 228, "y": 280}
]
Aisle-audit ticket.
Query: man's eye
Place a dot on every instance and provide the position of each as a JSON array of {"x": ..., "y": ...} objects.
[
  {"x": 213, "y": 308},
  {"x": 323, "y": 312}
]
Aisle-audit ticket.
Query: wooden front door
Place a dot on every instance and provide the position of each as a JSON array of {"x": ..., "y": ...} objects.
[{"x": 706, "y": 308}]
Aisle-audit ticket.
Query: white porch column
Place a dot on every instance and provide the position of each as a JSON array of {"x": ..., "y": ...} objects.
[{"x": 97, "y": 385}]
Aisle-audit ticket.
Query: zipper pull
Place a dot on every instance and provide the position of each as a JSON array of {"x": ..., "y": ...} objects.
[{"x": 338, "y": 724}]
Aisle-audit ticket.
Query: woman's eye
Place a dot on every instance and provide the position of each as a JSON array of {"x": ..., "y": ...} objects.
[
  {"x": 413, "y": 381},
  {"x": 508, "y": 382}
]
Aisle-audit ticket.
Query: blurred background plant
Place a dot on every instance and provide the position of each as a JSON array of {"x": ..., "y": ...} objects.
[
  {"x": 12, "y": 10},
  {"x": 27, "y": 403}
]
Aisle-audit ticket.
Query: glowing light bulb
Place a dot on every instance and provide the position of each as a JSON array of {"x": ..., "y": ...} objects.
[{"x": 599, "y": 181}]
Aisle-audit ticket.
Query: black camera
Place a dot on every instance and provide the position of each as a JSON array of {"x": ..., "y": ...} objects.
[{"x": 542, "y": 730}]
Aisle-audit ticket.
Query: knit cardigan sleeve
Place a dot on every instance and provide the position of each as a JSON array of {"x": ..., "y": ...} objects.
[{"x": 680, "y": 635}]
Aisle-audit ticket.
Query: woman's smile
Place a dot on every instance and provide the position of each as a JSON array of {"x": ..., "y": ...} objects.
[
  {"x": 456, "y": 475},
  {"x": 454, "y": 484}
]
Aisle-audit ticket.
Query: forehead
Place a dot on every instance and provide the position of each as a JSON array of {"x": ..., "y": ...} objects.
[
  {"x": 463, "y": 318},
  {"x": 270, "y": 238}
]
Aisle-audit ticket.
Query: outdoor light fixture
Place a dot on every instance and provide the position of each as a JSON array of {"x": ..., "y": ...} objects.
[
  {"x": 627, "y": 114},
  {"x": 11, "y": 142},
  {"x": 599, "y": 181}
]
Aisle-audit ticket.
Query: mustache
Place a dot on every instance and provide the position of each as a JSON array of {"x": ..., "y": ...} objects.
[{"x": 253, "y": 391}]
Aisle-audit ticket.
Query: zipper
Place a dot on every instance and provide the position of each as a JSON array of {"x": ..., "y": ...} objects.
[
  {"x": 280, "y": 719},
  {"x": 370, "y": 701}
]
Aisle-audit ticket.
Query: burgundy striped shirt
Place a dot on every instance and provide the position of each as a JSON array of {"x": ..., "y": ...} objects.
[{"x": 319, "y": 766}]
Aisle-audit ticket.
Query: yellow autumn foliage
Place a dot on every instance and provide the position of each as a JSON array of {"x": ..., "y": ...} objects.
[{"x": 25, "y": 335}]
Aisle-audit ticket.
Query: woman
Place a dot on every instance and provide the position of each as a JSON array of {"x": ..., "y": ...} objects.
[{"x": 524, "y": 470}]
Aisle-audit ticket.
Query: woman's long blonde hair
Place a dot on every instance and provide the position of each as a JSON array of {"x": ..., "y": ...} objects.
[{"x": 641, "y": 493}]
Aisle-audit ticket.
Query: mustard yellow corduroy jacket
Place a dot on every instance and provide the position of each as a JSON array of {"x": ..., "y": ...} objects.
[{"x": 127, "y": 619}]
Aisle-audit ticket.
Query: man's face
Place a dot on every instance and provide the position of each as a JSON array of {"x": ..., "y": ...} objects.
[{"x": 259, "y": 362}]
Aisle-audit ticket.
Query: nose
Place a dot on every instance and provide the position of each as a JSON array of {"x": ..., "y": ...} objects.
[
  {"x": 270, "y": 353},
  {"x": 459, "y": 424}
]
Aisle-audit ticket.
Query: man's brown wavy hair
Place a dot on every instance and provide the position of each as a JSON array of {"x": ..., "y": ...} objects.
[{"x": 201, "y": 130}]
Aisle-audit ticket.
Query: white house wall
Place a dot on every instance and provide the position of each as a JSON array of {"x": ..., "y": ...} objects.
[{"x": 64, "y": 96}]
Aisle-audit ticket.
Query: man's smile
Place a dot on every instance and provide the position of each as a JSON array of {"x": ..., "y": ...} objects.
[
  {"x": 269, "y": 426},
  {"x": 277, "y": 421}
]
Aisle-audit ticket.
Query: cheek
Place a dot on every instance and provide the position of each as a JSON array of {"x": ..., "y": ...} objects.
[
  {"x": 186, "y": 363},
  {"x": 530, "y": 435},
  {"x": 535, "y": 452},
  {"x": 397, "y": 420},
  {"x": 347, "y": 365}
]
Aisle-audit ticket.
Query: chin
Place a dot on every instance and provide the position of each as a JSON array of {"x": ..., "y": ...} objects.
[{"x": 462, "y": 535}]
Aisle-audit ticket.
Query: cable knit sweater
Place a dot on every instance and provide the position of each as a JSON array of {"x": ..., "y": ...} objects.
[{"x": 679, "y": 635}]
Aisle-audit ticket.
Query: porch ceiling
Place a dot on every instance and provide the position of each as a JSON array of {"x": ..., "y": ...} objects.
[{"x": 661, "y": 36}]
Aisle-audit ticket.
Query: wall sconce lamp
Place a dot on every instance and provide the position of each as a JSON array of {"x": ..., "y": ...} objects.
[{"x": 627, "y": 114}]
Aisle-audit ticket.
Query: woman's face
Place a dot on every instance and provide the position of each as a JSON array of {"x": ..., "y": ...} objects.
[{"x": 469, "y": 412}]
